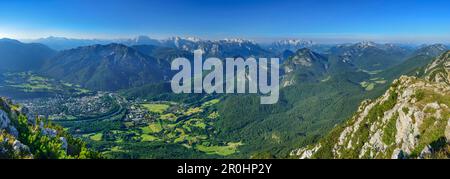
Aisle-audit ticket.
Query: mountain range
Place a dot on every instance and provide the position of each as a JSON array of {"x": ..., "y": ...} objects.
[
  {"x": 114, "y": 66},
  {"x": 320, "y": 88},
  {"x": 217, "y": 48},
  {"x": 144, "y": 60}
]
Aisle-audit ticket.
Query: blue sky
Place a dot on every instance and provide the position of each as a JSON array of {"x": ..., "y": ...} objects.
[{"x": 320, "y": 20}]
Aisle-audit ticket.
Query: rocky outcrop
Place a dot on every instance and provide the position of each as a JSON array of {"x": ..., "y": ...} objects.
[
  {"x": 5, "y": 124},
  {"x": 4, "y": 120},
  {"x": 19, "y": 147},
  {"x": 64, "y": 144},
  {"x": 306, "y": 152},
  {"x": 447, "y": 132},
  {"x": 21, "y": 138}
]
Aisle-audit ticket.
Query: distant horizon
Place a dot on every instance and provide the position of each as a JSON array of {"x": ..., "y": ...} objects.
[
  {"x": 261, "y": 40},
  {"x": 322, "y": 21}
]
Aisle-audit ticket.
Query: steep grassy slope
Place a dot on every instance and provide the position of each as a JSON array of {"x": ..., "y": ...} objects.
[{"x": 16, "y": 56}]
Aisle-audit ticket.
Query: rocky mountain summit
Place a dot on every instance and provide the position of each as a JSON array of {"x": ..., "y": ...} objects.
[
  {"x": 23, "y": 137},
  {"x": 411, "y": 120}
]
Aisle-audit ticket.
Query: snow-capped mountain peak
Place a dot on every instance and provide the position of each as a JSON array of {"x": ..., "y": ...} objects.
[
  {"x": 193, "y": 39},
  {"x": 236, "y": 40},
  {"x": 294, "y": 42},
  {"x": 290, "y": 44},
  {"x": 366, "y": 44}
]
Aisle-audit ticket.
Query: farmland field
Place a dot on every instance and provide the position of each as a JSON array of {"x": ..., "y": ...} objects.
[{"x": 156, "y": 108}]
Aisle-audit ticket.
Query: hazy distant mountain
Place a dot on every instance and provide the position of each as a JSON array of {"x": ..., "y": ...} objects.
[
  {"x": 140, "y": 40},
  {"x": 62, "y": 43},
  {"x": 431, "y": 50},
  {"x": 188, "y": 44},
  {"x": 106, "y": 67},
  {"x": 371, "y": 56},
  {"x": 17, "y": 56}
]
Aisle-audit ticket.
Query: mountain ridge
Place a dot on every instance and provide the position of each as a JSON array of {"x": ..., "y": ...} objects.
[
  {"x": 18, "y": 56},
  {"x": 411, "y": 120},
  {"x": 105, "y": 67}
]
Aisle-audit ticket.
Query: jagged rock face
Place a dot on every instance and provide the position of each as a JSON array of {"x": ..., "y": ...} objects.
[
  {"x": 4, "y": 120},
  {"x": 8, "y": 134},
  {"x": 370, "y": 56},
  {"x": 5, "y": 124},
  {"x": 411, "y": 120}
]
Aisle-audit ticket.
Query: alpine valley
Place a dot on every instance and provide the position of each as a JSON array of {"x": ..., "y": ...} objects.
[{"x": 83, "y": 98}]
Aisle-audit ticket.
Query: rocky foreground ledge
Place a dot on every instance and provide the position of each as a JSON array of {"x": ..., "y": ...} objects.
[{"x": 27, "y": 137}]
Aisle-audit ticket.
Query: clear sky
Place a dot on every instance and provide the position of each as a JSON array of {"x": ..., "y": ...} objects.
[{"x": 326, "y": 20}]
